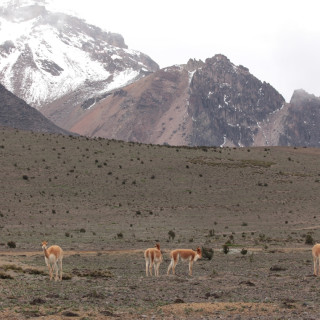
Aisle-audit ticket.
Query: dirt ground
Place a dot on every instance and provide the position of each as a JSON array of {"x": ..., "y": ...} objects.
[
  {"x": 104, "y": 202},
  {"x": 270, "y": 283}
]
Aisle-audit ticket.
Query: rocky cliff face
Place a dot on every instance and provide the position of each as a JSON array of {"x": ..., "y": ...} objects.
[
  {"x": 227, "y": 103},
  {"x": 212, "y": 103},
  {"x": 16, "y": 113},
  {"x": 301, "y": 126}
]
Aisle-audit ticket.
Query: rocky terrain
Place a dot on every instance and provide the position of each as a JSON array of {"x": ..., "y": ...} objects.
[
  {"x": 87, "y": 81},
  {"x": 301, "y": 124},
  {"x": 16, "y": 113},
  {"x": 211, "y": 103},
  {"x": 105, "y": 201},
  {"x": 208, "y": 103}
]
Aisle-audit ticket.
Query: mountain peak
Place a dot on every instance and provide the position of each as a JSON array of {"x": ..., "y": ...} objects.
[{"x": 46, "y": 55}]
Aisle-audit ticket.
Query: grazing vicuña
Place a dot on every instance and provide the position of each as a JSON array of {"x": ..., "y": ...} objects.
[
  {"x": 52, "y": 256},
  {"x": 316, "y": 258},
  {"x": 153, "y": 257},
  {"x": 184, "y": 254}
]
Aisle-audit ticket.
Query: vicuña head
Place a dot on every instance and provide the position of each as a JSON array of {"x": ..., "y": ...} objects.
[
  {"x": 52, "y": 256},
  {"x": 185, "y": 254},
  {"x": 153, "y": 257}
]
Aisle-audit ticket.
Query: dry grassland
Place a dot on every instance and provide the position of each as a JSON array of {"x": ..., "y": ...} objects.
[{"x": 104, "y": 202}]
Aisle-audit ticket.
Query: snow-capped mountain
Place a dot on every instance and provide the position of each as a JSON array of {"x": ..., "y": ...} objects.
[{"x": 45, "y": 55}]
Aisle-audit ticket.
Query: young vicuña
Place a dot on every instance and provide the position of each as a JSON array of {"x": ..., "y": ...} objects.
[
  {"x": 52, "y": 256},
  {"x": 184, "y": 254},
  {"x": 316, "y": 258},
  {"x": 153, "y": 257}
]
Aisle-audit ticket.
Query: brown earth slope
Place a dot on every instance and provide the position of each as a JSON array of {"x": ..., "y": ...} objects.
[{"x": 104, "y": 202}]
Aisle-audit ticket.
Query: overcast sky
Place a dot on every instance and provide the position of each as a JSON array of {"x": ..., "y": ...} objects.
[{"x": 278, "y": 40}]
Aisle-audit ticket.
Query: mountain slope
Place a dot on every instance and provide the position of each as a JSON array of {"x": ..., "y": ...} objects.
[
  {"x": 302, "y": 123},
  {"x": 46, "y": 55},
  {"x": 16, "y": 113},
  {"x": 201, "y": 103}
]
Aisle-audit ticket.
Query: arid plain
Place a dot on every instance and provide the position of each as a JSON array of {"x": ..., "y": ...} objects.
[{"x": 104, "y": 202}]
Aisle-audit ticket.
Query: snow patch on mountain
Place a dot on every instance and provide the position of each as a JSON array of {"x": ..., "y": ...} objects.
[{"x": 45, "y": 55}]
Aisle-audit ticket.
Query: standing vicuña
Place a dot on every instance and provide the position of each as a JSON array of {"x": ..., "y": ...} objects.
[
  {"x": 316, "y": 258},
  {"x": 52, "y": 256},
  {"x": 153, "y": 256},
  {"x": 184, "y": 254}
]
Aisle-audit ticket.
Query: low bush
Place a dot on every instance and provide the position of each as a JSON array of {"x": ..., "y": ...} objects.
[{"x": 207, "y": 253}]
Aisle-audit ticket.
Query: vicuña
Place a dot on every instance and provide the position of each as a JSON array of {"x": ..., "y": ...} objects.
[
  {"x": 153, "y": 257},
  {"x": 316, "y": 258},
  {"x": 53, "y": 258},
  {"x": 184, "y": 254}
]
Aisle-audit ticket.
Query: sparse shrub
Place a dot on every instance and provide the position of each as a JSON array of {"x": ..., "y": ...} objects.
[
  {"x": 225, "y": 248},
  {"x": 120, "y": 235},
  {"x": 207, "y": 253},
  {"x": 67, "y": 234},
  {"x": 11, "y": 244},
  {"x": 211, "y": 233},
  {"x": 25, "y": 177},
  {"x": 309, "y": 239},
  {"x": 172, "y": 235},
  {"x": 82, "y": 230},
  {"x": 244, "y": 251},
  {"x": 277, "y": 268},
  {"x": 244, "y": 224}
]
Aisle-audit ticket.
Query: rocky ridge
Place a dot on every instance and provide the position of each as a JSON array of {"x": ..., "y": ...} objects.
[
  {"x": 212, "y": 103},
  {"x": 16, "y": 113}
]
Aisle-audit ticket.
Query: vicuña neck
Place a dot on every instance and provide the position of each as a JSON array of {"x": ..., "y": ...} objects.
[{"x": 46, "y": 252}]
